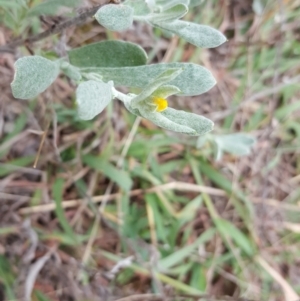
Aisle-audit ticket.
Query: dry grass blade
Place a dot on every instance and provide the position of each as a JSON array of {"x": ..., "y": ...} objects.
[
  {"x": 179, "y": 186},
  {"x": 33, "y": 273},
  {"x": 152, "y": 297},
  {"x": 292, "y": 227},
  {"x": 289, "y": 293}
]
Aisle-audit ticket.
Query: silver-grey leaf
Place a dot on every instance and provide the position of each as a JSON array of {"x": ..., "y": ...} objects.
[
  {"x": 167, "y": 4},
  {"x": 92, "y": 97},
  {"x": 193, "y": 80},
  {"x": 140, "y": 7},
  {"x": 115, "y": 17},
  {"x": 199, "y": 35},
  {"x": 238, "y": 144},
  {"x": 33, "y": 75},
  {"x": 201, "y": 125},
  {"x": 166, "y": 91},
  {"x": 173, "y": 13},
  {"x": 127, "y": 104},
  {"x": 164, "y": 122},
  {"x": 160, "y": 80}
]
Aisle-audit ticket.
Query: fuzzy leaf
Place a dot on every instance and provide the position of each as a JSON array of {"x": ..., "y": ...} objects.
[
  {"x": 167, "y": 4},
  {"x": 33, "y": 75},
  {"x": 108, "y": 54},
  {"x": 92, "y": 97},
  {"x": 50, "y": 7},
  {"x": 164, "y": 122},
  {"x": 166, "y": 91},
  {"x": 140, "y": 7},
  {"x": 71, "y": 71},
  {"x": 133, "y": 111},
  {"x": 199, "y": 124},
  {"x": 196, "y": 34},
  {"x": 173, "y": 13},
  {"x": 115, "y": 17},
  {"x": 238, "y": 144},
  {"x": 193, "y": 80},
  {"x": 162, "y": 79}
]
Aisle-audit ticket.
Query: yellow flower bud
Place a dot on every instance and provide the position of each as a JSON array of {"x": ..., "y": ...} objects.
[{"x": 161, "y": 103}]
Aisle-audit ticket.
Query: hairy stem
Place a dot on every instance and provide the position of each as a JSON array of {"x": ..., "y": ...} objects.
[{"x": 121, "y": 96}]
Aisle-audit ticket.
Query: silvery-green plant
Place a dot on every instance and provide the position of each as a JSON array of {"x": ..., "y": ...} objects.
[
  {"x": 99, "y": 68},
  {"x": 238, "y": 144}
]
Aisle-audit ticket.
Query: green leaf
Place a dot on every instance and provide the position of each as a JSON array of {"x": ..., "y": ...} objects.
[
  {"x": 164, "y": 122},
  {"x": 160, "y": 80},
  {"x": 178, "y": 121},
  {"x": 121, "y": 177},
  {"x": 193, "y": 80},
  {"x": 50, "y": 7},
  {"x": 8, "y": 4},
  {"x": 108, "y": 54},
  {"x": 33, "y": 75},
  {"x": 57, "y": 192},
  {"x": 115, "y": 17},
  {"x": 14, "y": 165},
  {"x": 199, "y": 124},
  {"x": 71, "y": 71},
  {"x": 92, "y": 97},
  {"x": 196, "y": 34},
  {"x": 166, "y": 91},
  {"x": 178, "y": 256},
  {"x": 167, "y": 4},
  {"x": 228, "y": 229},
  {"x": 139, "y": 7},
  {"x": 171, "y": 14},
  {"x": 194, "y": 3},
  {"x": 237, "y": 144},
  {"x": 127, "y": 104}
]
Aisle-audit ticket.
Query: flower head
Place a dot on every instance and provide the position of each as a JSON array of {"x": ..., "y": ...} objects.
[
  {"x": 161, "y": 103},
  {"x": 151, "y": 104}
]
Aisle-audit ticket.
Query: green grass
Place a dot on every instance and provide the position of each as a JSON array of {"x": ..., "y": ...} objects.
[{"x": 192, "y": 243}]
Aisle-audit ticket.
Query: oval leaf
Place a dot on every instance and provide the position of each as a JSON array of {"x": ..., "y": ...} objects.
[
  {"x": 115, "y": 17},
  {"x": 173, "y": 13},
  {"x": 239, "y": 144},
  {"x": 108, "y": 54},
  {"x": 92, "y": 97},
  {"x": 167, "y": 4},
  {"x": 193, "y": 80},
  {"x": 199, "y": 35},
  {"x": 199, "y": 124},
  {"x": 140, "y": 7},
  {"x": 166, "y": 123},
  {"x": 33, "y": 75}
]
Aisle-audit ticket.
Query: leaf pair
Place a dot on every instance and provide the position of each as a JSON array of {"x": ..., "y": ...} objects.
[
  {"x": 34, "y": 74},
  {"x": 169, "y": 119},
  {"x": 166, "y": 16}
]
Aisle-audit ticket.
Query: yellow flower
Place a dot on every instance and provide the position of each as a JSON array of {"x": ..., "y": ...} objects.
[{"x": 161, "y": 103}]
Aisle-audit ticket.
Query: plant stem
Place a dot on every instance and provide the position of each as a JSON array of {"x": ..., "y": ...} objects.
[
  {"x": 121, "y": 96},
  {"x": 54, "y": 29}
]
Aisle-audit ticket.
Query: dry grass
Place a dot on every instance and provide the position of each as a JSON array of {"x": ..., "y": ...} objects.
[{"x": 189, "y": 224}]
